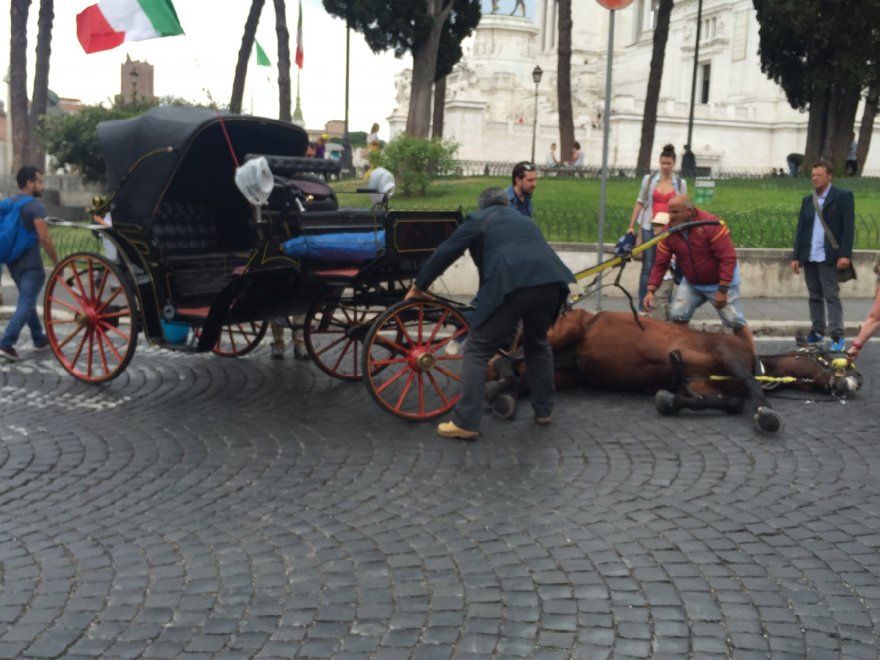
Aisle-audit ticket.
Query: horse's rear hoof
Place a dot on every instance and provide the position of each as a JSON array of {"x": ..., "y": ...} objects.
[
  {"x": 768, "y": 420},
  {"x": 664, "y": 401},
  {"x": 504, "y": 406}
]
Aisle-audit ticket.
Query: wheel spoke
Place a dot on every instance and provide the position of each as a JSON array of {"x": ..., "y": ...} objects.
[
  {"x": 101, "y": 351},
  {"x": 421, "y": 385},
  {"x": 91, "y": 353},
  {"x": 385, "y": 363},
  {"x": 70, "y": 336},
  {"x": 104, "y": 278},
  {"x": 455, "y": 335},
  {"x": 110, "y": 344},
  {"x": 438, "y": 326},
  {"x": 437, "y": 388},
  {"x": 335, "y": 342},
  {"x": 73, "y": 293},
  {"x": 403, "y": 394},
  {"x": 64, "y": 304},
  {"x": 80, "y": 284},
  {"x": 397, "y": 347},
  {"x": 82, "y": 343},
  {"x": 447, "y": 373},
  {"x": 91, "y": 281},
  {"x": 115, "y": 315},
  {"x": 403, "y": 329},
  {"x": 391, "y": 380},
  {"x": 109, "y": 300},
  {"x": 342, "y": 354},
  {"x": 116, "y": 330}
]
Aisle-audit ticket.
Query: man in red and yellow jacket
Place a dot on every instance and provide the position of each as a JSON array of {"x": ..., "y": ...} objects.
[{"x": 707, "y": 260}]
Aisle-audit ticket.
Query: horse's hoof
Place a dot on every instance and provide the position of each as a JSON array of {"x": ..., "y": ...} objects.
[
  {"x": 768, "y": 420},
  {"x": 504, "y": 406},
  {"x": 664, "y": 401}
]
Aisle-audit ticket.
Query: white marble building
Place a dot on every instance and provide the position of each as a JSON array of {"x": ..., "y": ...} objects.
[{"x": 742, "y": 119}]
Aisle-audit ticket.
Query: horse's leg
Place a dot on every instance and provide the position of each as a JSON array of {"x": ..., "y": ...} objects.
[
  {"x": 669, "y": 403},
  {"x": 766, "y": 419}
]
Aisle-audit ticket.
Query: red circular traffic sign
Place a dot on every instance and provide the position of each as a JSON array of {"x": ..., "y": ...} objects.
[{"x": 615, "y": 4}]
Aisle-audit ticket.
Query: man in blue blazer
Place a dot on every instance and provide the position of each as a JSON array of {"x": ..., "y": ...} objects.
[
  {"x": 821, "y": 257},
  {"x": 521, "y": 278}
]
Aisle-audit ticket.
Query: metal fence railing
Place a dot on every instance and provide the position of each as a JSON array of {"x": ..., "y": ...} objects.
[{"x": 470, "y": 168}]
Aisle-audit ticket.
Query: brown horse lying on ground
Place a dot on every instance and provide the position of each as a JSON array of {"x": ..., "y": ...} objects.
[{"x": 609, "y": 350}]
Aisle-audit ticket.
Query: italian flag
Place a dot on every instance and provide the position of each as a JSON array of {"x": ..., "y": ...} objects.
[{"x": 108, "y": 23}]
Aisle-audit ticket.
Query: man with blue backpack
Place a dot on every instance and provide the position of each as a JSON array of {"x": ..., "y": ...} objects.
[{"x": 22, "y": 231}]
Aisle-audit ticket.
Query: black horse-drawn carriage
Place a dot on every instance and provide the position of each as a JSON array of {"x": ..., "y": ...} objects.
[{"x": 193, "y": 253}]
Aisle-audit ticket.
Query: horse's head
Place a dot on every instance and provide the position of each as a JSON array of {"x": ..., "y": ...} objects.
[
  {"x": 845, "y": 379},
  {"x": 816, "y": 369}
]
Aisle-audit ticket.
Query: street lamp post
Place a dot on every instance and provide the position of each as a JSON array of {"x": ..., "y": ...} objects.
[
  {"x": 537, "y": 72},
  {"x": 346, "y": 139}
]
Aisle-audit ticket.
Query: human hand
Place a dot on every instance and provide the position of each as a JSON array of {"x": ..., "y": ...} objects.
[
  {"x": 795, "y": 266},
  {"x": 648, "y": 302},
  {"x": 720, "y": 299},
  {"x": 853, "y": 351},
  {"x": 843, "y": 263},
  {"x": 416, "y": 294}
]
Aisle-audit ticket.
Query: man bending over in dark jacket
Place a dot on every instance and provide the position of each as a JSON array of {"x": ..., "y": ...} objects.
[{"x": 521, "y": 278}]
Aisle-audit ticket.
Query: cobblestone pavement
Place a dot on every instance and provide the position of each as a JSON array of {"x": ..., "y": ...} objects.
[{"x": 200, "y": 506}]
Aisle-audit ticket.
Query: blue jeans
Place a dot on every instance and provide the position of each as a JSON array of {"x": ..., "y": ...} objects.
[
  {"x": 29, "y": 282},
  {"x": 688, "y": 298},
  {"x": 647, "y": 265}
]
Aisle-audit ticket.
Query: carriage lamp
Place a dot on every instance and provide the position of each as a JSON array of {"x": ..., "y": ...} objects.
[{"x": 537, "y": 72}]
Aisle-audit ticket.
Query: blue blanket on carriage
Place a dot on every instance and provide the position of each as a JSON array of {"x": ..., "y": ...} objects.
[{"x": 347, "y": 247}]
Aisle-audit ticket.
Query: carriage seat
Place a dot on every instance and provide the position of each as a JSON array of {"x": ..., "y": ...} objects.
[
  {"x": 185, "y": 228},
  {"x": 344, "y": 219}
]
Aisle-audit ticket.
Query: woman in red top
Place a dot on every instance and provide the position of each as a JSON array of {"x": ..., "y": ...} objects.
[{"x": 657, "y": 189}]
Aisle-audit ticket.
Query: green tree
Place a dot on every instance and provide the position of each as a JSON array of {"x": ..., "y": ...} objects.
[
  {"x": 244, "y": 54},
  {"x": 18, "y": 105},
  {"x": 460, "y": 24},
  {"x": 72, "y": 138},
  {"x": 655, "y": 77},
  {"x": 823, "y": 54},
  {"x": 405, "y": 26},
  {"x": 40, "y": 97}
]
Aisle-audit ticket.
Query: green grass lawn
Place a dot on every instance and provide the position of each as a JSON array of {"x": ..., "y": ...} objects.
[{"x": 761, "y": 212}]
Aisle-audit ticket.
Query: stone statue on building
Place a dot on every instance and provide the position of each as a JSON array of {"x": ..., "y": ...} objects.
[
  {"x": 494, "y": 7},
  {"x": 520, "y": 4}
]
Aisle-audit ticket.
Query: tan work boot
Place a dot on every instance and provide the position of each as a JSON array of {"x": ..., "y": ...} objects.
[
  {"x": 543, "y": 421},
  {"x": 451, "y": 430}
]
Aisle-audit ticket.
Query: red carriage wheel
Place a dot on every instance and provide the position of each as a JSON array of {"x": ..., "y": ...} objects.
[
  {"x": 334, "y": 330},
  {"x": 240, "y": 338},
  {"x": 409, "y": 368},
  {"x": 91, "y": 317}
]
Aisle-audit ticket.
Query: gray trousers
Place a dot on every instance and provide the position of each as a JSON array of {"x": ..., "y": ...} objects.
[
  {"x": 824, "y": 290},
  {"x": 536, "y": 306}
]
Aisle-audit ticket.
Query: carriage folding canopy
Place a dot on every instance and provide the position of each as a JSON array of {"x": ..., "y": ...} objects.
[{"x": 193, "y": 163}]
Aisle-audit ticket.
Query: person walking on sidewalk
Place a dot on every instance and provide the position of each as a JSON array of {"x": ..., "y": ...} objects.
[
  {"x": 27, "y": 270},
  {"x": 521, "y": 278},
  {"x": 708, "y": 263},
  {"x": 823, "y": 246},
  {"x": 872, "y": 322}
]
